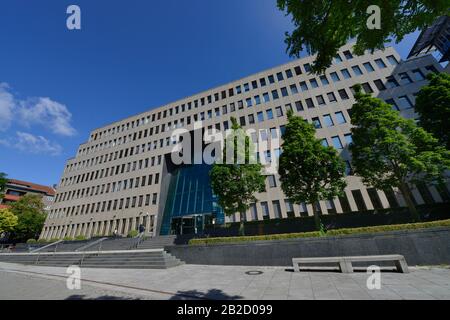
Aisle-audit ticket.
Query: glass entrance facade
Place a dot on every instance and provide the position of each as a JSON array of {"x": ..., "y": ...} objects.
[{"x": 190, "y": 203}]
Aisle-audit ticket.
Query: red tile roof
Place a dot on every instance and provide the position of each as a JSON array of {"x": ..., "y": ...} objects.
[{"x": 33, "y": 186}]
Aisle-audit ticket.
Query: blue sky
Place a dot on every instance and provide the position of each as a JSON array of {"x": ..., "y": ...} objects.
[{"x": 130, "y": 56}]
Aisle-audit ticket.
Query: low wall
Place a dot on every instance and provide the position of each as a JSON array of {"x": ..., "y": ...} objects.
[{"x": 420, "y": 247}]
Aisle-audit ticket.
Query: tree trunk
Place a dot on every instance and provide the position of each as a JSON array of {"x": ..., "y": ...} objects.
[
  {"x": 409, "y": 202},
  {"x": 241, "y": 225},
  {"x": 316, "y": 219}
]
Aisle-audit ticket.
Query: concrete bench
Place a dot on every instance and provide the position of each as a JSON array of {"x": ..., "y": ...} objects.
[{"x": 345, "y": 263}]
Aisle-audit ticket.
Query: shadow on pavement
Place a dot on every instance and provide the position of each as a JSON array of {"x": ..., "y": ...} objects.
[{"x": 213, "y": 294}]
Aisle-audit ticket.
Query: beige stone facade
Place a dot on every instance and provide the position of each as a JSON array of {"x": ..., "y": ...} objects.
[{"x": 94, "y": 199}]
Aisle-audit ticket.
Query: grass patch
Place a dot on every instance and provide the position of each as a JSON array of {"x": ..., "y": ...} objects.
[{"x": 315, "y": 234}]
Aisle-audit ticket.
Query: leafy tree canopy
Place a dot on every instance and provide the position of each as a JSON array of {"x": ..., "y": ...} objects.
[
  {"x": 236, "y": 182},
  {"x": 433, "y": 107},
  {"x": 323, "y": 27},
  {"x": 3, "y": 181},
  {"x": 390, "y": 151},
  {"x": 309, "y": 172},
  {"x": 7, "y": 221},
  {"x": 31, "y": 216}
]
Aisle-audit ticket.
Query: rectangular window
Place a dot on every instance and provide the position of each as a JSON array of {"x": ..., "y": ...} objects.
[
  {"x": 343, "y": 94},
  {"x": 284, "y": 92},
  {"x": 320, "y": 100},
  {"x": 357, "y": 195},
  {"x": 346, "y": 74},
  {"x": 257, "y": 100},
  {"x": 269, "y": 114},
  {"x": 367, "y": 88},
  {"x": 324, "y": 80},
  {"x": 404, "y": 78},
  {"x": 348, "y": 55},
  {"x": 307, "y": 67},
  {"x": 314, "y": 83},
  {"x": 242, "y": 121},
  {"x": 368, "y": 67},
  {"x": 309, "y": 103},
  {"x": 418, "y": 75},
  {"x": 298, "y": 70},
  {"x": 393, "y": 104},
  {"x": 337, "y": 142},
  {"x": 276, "y": 209},
  {"x": 279, "y": 112},
  {"x": 335, "y": 77},
  {"x": 337, "y": 59},
  {"x": 340, "y": 117},
  {"x": 271, "y": 79},
  {"x": 266, "y": 97},
  {"x": 316, "y": 123},
  {"x": 328, "y": 120},
  {"x": 251, "y": 119},
  {"x": 275, "y": 94},
  {"x": 380, "y": 63},
  {"x": 379, "y": 84},
  {"x": 331, "y": 97},
  {"x": 254, "y": 212},
  {"x": 288, "y": 73},
  {"x": 392, "y": 60},
  {"x": 348, "y": 138},
  {"x": 262, "y": 82},
  {"x": 248, "y": 102},
  {"x": 357, "y": 70},
  {"x": 299, "y": 106},
  {"x": 374, "y": 198},
  {"x": 272, "y": 181},
  {"x": 303, "y": 86},
  {"x": 265, "y": 210},
  {"x": 391, "y": 82},
  {"x": 404, "y": 103},
  {"x": 294, "y": 89},
  {"x": 260, "y": 116},
  {"x": 324, "y": 142},
  {"x": 254, "y": 84},
  {"x": 280, "y": 76},
  {"x": 246, "y": 87}
]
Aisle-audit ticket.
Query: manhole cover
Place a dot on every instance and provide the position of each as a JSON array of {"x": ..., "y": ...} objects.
[{"x": 254, "y": 272}]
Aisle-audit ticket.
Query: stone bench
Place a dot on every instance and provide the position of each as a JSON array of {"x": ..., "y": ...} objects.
[{"x": 345, "y": 263}]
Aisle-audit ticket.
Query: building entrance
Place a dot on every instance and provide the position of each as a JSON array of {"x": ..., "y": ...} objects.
[{"x": 193, "y": 224}]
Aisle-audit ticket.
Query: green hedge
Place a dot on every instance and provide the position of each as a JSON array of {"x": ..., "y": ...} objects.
[{"x": 334, "y": 232}]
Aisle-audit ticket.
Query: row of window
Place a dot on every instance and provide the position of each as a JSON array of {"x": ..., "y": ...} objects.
[
  {"x": 246, "y": 87},
  {"x": 106, "y": 206},
  {"x": 118, "y": 186}
]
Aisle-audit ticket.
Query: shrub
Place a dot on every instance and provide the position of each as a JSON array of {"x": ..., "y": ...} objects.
[
  {"x": 334, "y": 232},
  {"x": 68, "y": 239},
  {"x": 31, "y": 241},
  {"x": 132, "y": 233},
  {"x": 80, "y": 238}
]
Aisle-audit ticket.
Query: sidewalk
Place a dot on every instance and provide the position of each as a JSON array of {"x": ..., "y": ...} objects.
[{"x": 229, "y": 282}]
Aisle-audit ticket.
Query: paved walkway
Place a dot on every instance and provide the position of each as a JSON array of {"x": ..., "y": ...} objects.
[{"x": 219, "y": 282}]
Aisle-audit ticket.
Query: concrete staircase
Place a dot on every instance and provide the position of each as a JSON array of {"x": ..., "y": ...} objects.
[
  {"x": 157, "y": 242},
  {"x": 129, "y": 259}
]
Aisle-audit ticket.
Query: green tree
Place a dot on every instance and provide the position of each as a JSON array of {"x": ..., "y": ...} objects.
[
  {"x": 309, "y": 172},
  {"x": 323, "y": 27},
  {"x": 433, "y": 107},
  {"x": 239, "y": 177},
  {"x": 7, "y": 221},
  {"x": 3, "y": 181},
  {"x": 391, "y": 151},
  {"x": 29, "y": 210}
]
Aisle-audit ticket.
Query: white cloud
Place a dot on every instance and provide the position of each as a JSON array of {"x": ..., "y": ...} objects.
[
  {"x": 37, "y": 111},
  {"x": 47, "y": 112},
  {"x": 6, "y": 107},
  {"x": 29, "y": 143}
]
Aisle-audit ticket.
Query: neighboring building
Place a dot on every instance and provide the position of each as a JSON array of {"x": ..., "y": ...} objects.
[
  {"x": 17, "y": 188},
  {"x": 124, "y": 176}
]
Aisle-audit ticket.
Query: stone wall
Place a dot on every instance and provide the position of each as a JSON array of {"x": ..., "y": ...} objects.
[{"x": 420, "y": 247}]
